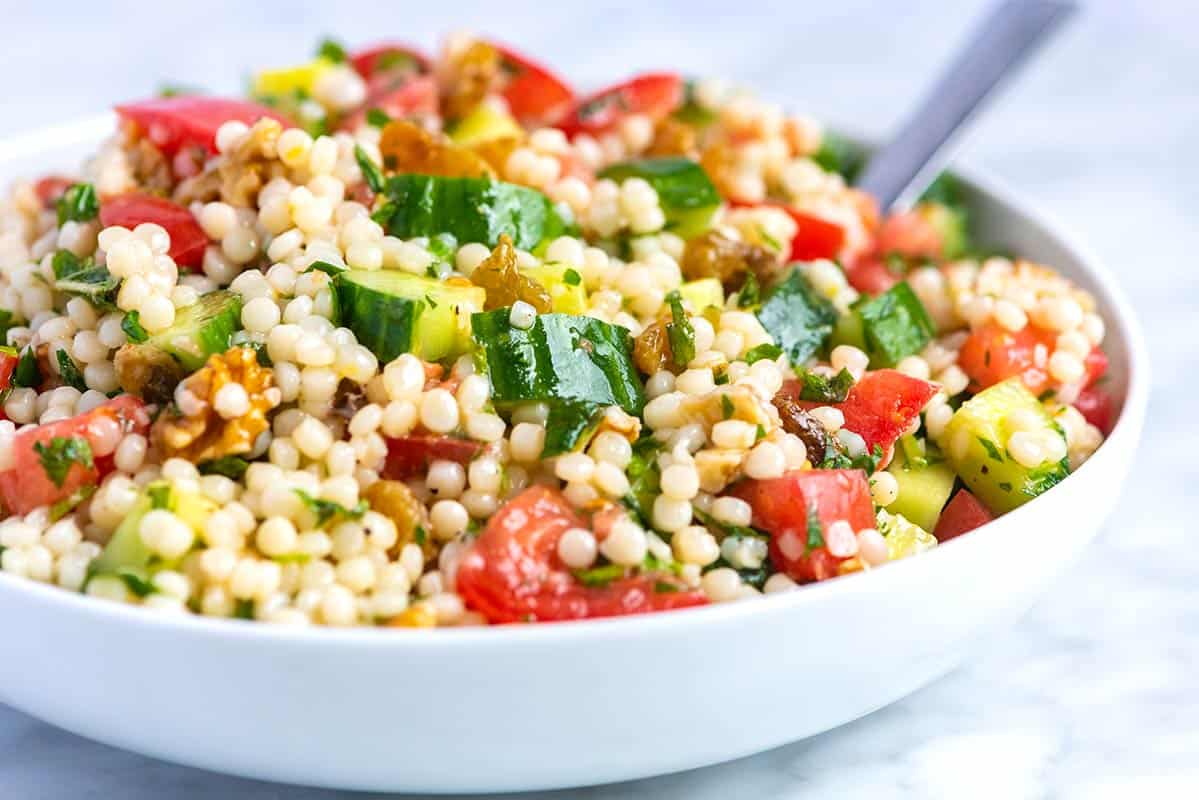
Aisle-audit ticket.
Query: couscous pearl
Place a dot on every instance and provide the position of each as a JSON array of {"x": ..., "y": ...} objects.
[
  {"x": 695, "y": 545},
  {"x": 884, "y": 489},
  {"x": 448, "y": 518},
  {"x": 872, "y": 547},
  {"x": 765, "y": 460},
  {"x": 439, "y": 411},
  {"x": 831, "y": 419},
  {"x": 446, "y": 479},
  {"x": 722, "y": 585},
  {"x": 527, "y": 441},
  {"x": 732, "y": 511},
  {"x": 577, "y": 548},
  {"x": 670, "y": 514},
  {"x": 625, "y": 544}
]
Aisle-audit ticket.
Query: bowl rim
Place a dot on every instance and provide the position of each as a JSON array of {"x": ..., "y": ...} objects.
[{"x": 1128, "y": 427}]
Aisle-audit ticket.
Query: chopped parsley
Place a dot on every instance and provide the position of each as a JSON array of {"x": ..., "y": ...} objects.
[
  {"x": 160, "y": 495},
  {"x": 679, "y": 331},
  {"x": 328, "y": 510},
  {"x": 7, "y": 320},
  {"x": 370, "y": 170},
  {"x": 244, "y": 609},
  {"x": 233, "y": 467},
  {"x": 572, "y": 277},
  {"x": 815, "y": 530},
  {"x": 600, "y": 576},
  {"x": 751, "y": 292},
  {"x": 60, "y": 453},
  {"x": 332, "y": 270},
  {"x": 78, "y": 204},
  {"x": 332, "y": 50},
  {"x": 377, "y": 117},
  {"x": 867, "y": 462},
  {"x": 136, "y": 583},
  {"x": 763, "y": 351},
  {"x": 420, "y": 535},
  {"x": 771, "y": 242},
  {"x": 69, "y": 371},
  {"x": 726, "y": 406},
  {"x": 68, "y": 504},
  {"x": 665, "y": 587},
  {"x": 84, "y": 278},
  {"x": 27, "y": 373},
  {"x": 131, "y": 324},
  {"x": 993, "y": 452},
  {"x": 820, "y": 389}
]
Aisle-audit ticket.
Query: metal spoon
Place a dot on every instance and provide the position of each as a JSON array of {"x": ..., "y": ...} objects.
[{"x": 898, "y": 172}]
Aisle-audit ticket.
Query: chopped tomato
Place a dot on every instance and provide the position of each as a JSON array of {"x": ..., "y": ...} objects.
[
  {"x": 993, "y": 354},
  {"x": 782, "y": 506},
  {"x": 879, "y": 407},
  {"x": 532, "y": 91},
  {"x": 8, "y": 363},
  {"x": 388, "y": 57},
  {"x": 176, "y": 123},
  {"x": 188, "y": 239},
  {"x": 512, "y": 572},
  {"x": 962, "y": 514},
  {"x": 871, "y": 275},
  {"x": 909, "y": 234},
  {"x": 816, "y": 237},
  {"x": 1096, "y": 365},
  {"x": 50, "y": 188},
  {"x": 416, "y": 97},
  {"x": 410, "y": 456},
  {"x": 1096, "y": 407},
  {"x": 28, "y": 485},
  {"x": 654, "y": 94}
]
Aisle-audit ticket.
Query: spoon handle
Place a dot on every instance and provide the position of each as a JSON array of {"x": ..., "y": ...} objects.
[{"x": 901, "y": 170}]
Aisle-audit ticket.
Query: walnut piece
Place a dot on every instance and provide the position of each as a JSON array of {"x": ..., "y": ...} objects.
[
  {"x": 237, "y": 176},
  {"x": 203, "y": 435}
]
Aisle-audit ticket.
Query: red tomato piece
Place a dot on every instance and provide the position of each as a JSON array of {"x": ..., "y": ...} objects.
[
  {"x": 879, "y": 407},
  {"x": 962, "y": 514},
  {"x": 50, "y": 188},
  {"x": 1096, "y": 407},
  {"x": 512, "y": 573},
  {"x": 816, "y": 237},
  {"x": 1096, "y": 365},
  {"x": 532, "y": 91},
  {"x": 188, "y": 239},
  {"x": 871, "y": 275},
  {"x": 175, "y": 123},
  {"x": 909, "y": 234},
  {"x": 8, "y": 363},
  {"x": 410, "y": 456},
  {"x": 388, "y": 57},
  {"x": 27, "y": 486},
  {"x": 993, "y": 354},
  {"x": 416, "y": 97},
  {"x": 781, "y": 507},
  {"x": 655, "y": 94}
]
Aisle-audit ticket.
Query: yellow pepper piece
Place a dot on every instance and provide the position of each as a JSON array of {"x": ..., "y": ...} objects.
[{"x": 287, "y": 80}]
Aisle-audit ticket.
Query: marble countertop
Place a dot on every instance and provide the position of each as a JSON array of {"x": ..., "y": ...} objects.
[{"x": 1094, "y": 693}]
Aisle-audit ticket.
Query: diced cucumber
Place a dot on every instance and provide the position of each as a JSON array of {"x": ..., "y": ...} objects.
[
  {"x": 568, "y": 295},
  {"x": 201, "y": 329},
  {"x": 837, "y": 154},
  {"x": 484, "y": 124},
  {"x": 848, "y": 330},
  {"x": 976, "y": 442},
  {"x": 904, "y": 538},
  {"x": 686, "y": 193},
  {"x": 393, "y": 312},
  {"x": 797, "y": 316},
  {"x": 472, "y": 209},
  {"x": 577, "y": 365},
  {"x": 925, "y": 483},
  {"x": 894, "y": 325},
  {"x": 126, "y": 554},
  {"x": 703, "y": 293}
]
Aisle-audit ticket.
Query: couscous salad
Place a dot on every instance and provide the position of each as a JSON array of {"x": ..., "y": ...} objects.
[{"x": 415, "y": 341}]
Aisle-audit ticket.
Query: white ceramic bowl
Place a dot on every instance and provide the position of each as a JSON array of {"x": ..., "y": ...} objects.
[{"x": 557, "y": 705}]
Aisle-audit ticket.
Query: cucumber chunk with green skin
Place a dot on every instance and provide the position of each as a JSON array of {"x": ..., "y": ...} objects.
[
  {"x": 568, "y": 295},
  {"x": 472, "y": 209},
  {"x": 894, "y": 325},
  {"x": 798, "y": 317},
  {"x": 393, "y": 312},
  {"x": 577, "y": 365},
  {"x": 687, "y": 195},
  {"x": 702, "y": 293},
  {"x": 925, "y": 484},
  {"x": 201, "y": 329},
  {"x": 976, "y": 443}
]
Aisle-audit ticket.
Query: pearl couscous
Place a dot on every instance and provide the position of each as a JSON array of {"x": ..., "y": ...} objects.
[{"x": 416, "y": 342}]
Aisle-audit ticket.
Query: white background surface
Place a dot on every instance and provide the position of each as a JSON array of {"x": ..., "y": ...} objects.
[{"x": 1094, "y": 694}]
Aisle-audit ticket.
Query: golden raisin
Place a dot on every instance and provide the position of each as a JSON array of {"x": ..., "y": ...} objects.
[
  {"x": 394, "y": 500},
  {"x": 470, "y": 75},
  {"x": 673, "y": 138},
  {"x": 712, "y": 255},
  {"x": 651, "y": 350},
  {"x": 418, "y": 615},
  {"x": 407, "y": 147},
  {"x": 505, "y": 284},
  {"x": 204, "y": 435}
]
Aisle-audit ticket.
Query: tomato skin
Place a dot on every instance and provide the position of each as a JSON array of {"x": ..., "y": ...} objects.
[
  {"x": 364, "y": 61},
  {"x": 655, "y": 94},
  {"x": 416, "y": 97},
  {"x": 188, "y": 239},
  {"x": 962, "y": 514},
  {"x": 533, "y": 92},
  {"x": 50, "y": 188},
  {"x": 909, "y": 234},
  {"x": 871, "y": 275},
  {"x": 410, "y": 456},
  {"x": 992, "y": 354},
  {"x": 781, "y": 506},
  {"x": 1095, "y": 405},
  {"x": 176, "y": 123},
  {"x": 1095, "y": 364},
  {"x": 8, "y": 364},
  {"x": 816, "y": 237},
  {"x": 511, "y": 573},
  {"x": 26, "y": 486},
  {"x": 879, "y": 407}
]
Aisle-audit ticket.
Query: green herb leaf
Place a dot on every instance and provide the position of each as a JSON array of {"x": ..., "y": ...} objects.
[
  {"x": 78, "y": 203},
  {"x": 233, "y": 467},
  {"x": 819, "y": 389},
  {"x": 69, "y": 372},
  {"x": 370, "y": 170},
  {"x": 243, "y": 609},
  {"x": 327, "y": 510},
  {"x": 420, "y": 535},
  {"x": 763, "y": 351},
  {"x": 68, "y": 504},
  {"x": 993, "y": 452},
  {"x": 644, "y": 475},
  {"x": 377, "y": 117},
  {"x": 600, "y": 576},
  {"x": 572, "y": 278},
  {"x": 60, "y": 453},
  {"x": 771, "y": 242},
  {"x": 726, "y": 406},
  {"x": 82, "y": 278},
  {"x": 815, "y": 529},
  {"x": 27, "y": 374},
  {"x": 332, "y": 50},
  {"x": 131, "y": 324},
  {"x": 665, "y": 587},
  {"x": 331, "y": 270},
  {"x": 750, "y": 293},
  {"x": 679, "y": 331},
  {"x": 160, "y": 495},
  {"x": 177, "y": 90},
  {"x": 136, "y": 583},
  {"x": 7, "y": 320}
]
